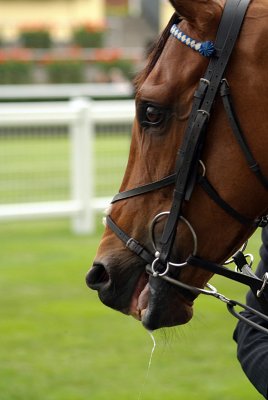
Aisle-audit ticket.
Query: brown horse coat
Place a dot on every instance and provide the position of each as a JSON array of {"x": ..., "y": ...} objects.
[{"x": 164, "y": 91}]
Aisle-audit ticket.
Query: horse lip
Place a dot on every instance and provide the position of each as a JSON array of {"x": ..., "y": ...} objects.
[
  {"x": 166, "y": 306},
  {"x": 139, "y": 300},
  {"x": 153, "y": 301},
  {"x": 151, "y": 323},
  {"x": 143, "y": 308}
]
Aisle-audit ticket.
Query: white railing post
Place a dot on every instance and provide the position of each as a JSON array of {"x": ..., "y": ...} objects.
[
  {"x": 82, "y": 131},
  {"x": 80, "y": 116}
]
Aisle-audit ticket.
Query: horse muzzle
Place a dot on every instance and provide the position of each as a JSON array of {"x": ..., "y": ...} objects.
[
  {"x": 115, "y": 290},
  {"x": 149, "y": 299}
]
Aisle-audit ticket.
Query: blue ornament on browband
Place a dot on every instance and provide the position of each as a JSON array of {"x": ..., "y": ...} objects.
[{"x": 206, "y": 49}]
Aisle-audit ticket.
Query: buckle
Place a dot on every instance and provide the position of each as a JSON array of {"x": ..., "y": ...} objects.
[
  {"x": 205, "y": 81},
  {"x": 264, "y": 283},
  {"x": 240, "y": 260},
  {"x": 202, "y": 88},
  {"x": 204, "y": 112},
  {"x": 225, "y": 88},
  {"x": 133, "y": 245},
  {"x": 262, "y": 221}
]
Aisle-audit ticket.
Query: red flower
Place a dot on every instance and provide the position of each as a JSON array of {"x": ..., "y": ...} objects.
[{"x": 92, "y": 27}]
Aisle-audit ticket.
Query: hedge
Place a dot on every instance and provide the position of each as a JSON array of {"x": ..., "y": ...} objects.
[
  {"x": 126, "y": 66},
  {"x": 61, "y": 71},
  {"x": 35, "y": 39},
  {"x": 87, "y": 38},
  {"x": 66, "y": 72},
  {"x": 13, "y": 72}
]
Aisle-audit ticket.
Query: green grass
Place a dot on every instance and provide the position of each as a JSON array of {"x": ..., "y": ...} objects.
[
  {"x": 37, "y": 168},
  {"x": 58, "y": 342},
  {"x": 111, "y": 155}
]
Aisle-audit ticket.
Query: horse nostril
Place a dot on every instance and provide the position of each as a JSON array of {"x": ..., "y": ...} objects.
[{"x": 97, "y": 277}]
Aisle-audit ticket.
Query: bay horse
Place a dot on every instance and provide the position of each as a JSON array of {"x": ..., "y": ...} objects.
[{"x": 193, "y": 191}]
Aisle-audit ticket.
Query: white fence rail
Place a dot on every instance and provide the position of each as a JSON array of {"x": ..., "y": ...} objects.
[
  {"x": 80, "y": 116},
  {"x": 65, "y": 91}
]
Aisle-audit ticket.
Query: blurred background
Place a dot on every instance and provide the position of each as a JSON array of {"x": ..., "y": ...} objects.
[
  {"x": 66, "y": 96},
  {"x": 74, "y": 41},
  {"x": 66, "y": 110}
]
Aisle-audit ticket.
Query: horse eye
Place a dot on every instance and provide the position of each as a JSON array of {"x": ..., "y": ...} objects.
[{"x": 154, "y": 115}]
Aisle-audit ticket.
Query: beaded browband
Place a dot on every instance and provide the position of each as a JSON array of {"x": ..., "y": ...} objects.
[{"x": 206, "y": 49}]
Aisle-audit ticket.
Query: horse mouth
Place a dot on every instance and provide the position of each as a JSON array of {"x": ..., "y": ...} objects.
[
  {"x": 140, "y": 298},
  {"x": 151, "y": 300},
  {"x": 157, "y": 304}
]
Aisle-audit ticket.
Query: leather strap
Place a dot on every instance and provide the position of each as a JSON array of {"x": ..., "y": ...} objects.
[
  {"x": 167, "y": 181},
  {"x": 225, "y": 41},
  {"x": 132, "y": 244},
  {"x": 237, "y": 131},
  {"x": 213, "y": 194},
  {"x": 252, "y": 281}
]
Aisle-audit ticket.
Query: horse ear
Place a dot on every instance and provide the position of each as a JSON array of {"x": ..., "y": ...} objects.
[{"x": 199, "y": 12}]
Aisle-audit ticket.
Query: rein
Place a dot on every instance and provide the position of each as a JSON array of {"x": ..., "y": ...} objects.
[{"x": 186, "y": 175}]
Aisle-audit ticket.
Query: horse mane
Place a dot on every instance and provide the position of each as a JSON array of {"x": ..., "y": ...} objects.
[{"x": 155, "y": 53}]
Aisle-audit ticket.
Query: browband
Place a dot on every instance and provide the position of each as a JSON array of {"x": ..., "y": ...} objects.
[{"x": 206, "y": 49}]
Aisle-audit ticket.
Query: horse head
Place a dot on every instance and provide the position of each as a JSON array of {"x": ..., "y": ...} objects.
[{"x": 165, "y": 92}]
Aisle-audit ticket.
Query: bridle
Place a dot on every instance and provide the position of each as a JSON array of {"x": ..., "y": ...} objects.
[{"x": 187, "y": 175}]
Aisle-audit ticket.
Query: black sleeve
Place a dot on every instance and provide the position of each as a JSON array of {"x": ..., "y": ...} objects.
[{"x": 252, "y": 345}]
